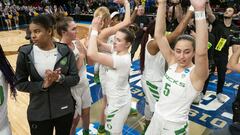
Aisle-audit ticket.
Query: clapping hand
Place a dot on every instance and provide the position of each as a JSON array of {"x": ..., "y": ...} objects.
[{"x": 50, "y": 77}]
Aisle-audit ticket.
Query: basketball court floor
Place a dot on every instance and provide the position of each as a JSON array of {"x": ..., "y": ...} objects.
[{"x": 207, "y": 116}]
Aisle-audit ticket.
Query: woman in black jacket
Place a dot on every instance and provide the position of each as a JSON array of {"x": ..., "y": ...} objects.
[{"x": 46, "y": 70}]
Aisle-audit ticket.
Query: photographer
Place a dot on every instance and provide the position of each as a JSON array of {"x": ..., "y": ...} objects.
[
  {"x": 222, "y": 30},
  {"x": 141, "y": 21}
]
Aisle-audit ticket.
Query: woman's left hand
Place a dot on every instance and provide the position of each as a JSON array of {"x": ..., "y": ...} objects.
[{"x": 97, "y": 23}]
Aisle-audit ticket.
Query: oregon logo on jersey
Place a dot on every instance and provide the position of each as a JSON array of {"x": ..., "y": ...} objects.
[{"x": 172, "y": 80}]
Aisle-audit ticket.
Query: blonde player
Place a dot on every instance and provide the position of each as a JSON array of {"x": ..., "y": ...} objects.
[{"x": 117, "y": 87}]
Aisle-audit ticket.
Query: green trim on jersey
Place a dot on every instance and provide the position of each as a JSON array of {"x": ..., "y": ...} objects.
[
  {"x": 111, "y": 115},
  {"x": 182, "y": 131},
  {"x": 153, "y": 89},
  {"x": 1, "y": 95}
]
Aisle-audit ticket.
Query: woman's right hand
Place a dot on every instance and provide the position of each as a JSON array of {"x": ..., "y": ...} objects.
[{"x": 50, "y": 77}]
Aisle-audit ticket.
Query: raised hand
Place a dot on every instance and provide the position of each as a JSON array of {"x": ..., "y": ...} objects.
[
  {"x": 198, "y": 4},
  {"x": 47, "y": 79},
  {"x": 97, "y": 23},
  {"x": 82, "y": 49}
]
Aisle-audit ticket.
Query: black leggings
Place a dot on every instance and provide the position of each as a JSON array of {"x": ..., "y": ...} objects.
[
  {"x": 62, "y": 126},
  {"x": 221, "y": 64}
]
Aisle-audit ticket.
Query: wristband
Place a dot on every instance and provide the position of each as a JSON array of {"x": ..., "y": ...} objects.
[
  {"x": 191, "y": 8},
  {"x": 200, "y": 15},
  {"x": 94, "y": 33}
]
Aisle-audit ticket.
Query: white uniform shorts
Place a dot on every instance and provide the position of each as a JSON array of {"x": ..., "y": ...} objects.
[
  {"x": 152, "y": 92},
  {"x": 160, "y": 126},
  {"x": 115, "y": 118},
  {"x": 82, "y": 95},
  {"x": 102, "y": 77},
  {"x": 5, "y": 129}
]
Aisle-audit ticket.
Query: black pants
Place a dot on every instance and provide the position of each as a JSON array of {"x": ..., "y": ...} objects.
[
  {"x": 212, "y": 70},
  {"x": 62, "y": 126},
  {"x": 206, "y": 85},
  {"x": 221, "y": 64},
  {"x": 236, "y": 107}
]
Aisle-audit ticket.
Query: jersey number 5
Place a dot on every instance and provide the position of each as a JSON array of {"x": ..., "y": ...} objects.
[{"x": 166, "y": 89}]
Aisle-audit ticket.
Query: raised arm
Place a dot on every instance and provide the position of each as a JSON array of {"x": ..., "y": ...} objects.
[
  {"x": 159, "y": 34},
  {"x": 211, "y": 17},
  {"x": 178, "y": 11},
  {"x": 105, "y": 33},
  {"x": 200, "y": 72},
  {"x": 134, "y": 14},
  {"x": 153, "y": 47},
  {"x": 92, "y": 51},
  {"x": 181, "y": 26},
  {"x": 233, "y": 63}
]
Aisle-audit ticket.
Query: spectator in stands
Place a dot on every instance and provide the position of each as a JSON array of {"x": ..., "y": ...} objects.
[
  {"x": 77, "y": 10},
  {"x": 15, "y": 11},
  {"x": 174, "y": 15},
  {"x": 48, "y": 10},
  {"x": 142, "y": 21},
  {"x": 55, "y": 9},
  {"x": 7, "y": 16}
]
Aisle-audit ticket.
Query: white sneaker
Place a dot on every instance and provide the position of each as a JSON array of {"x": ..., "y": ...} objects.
[
  {"x": 220, "y": 98},
  {"x": 198, "y": 99}
]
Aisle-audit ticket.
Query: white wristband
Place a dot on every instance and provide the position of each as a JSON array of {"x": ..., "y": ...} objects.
[
  {"x": 94, "y": 33},
  {"x": 200, "y": 15},
  {"x": 191, "y": 8}
]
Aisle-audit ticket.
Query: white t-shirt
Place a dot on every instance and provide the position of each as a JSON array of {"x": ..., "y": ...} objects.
[
  {"x": 117, "y": 85},
  {"x": 176, "y": 95},
  {"x": 103, "y": 68},
  {"x": 3, "y": 100},
  {"x": 44, "y": 60},
  {"x": 154, "y": 66}
]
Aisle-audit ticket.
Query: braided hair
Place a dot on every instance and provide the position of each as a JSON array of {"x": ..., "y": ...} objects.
[
  {"x": 150, "y": 30},
  {"x": 8, "y": 72}
]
